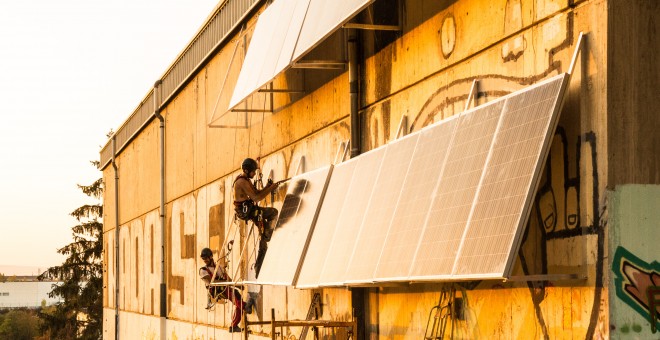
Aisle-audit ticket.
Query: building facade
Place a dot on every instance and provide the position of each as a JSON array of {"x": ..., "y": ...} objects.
[{"x": 587, "y": 255}]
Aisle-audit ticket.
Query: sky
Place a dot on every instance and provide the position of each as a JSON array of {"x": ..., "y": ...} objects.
[{"x": 71, "y": 70}]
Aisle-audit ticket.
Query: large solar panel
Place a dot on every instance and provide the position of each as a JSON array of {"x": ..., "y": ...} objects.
[
  {"x": 256, "y": 55},
  {"x": 382, "y": 205},
  {"x": 278, "y": 55},
  {"x": 291, "y": 235},
  {"x": 289, "y": 44},
  {"x": 456, "y": 191},
  {"x": 350, "y": 219},
  {"x": 324, "y": 228},
  {"x": 285, "y": 31},
  {"x": 410, "y": 213},
  {"x": 528, "y": 120},
  {"x": 322, "y": 19}
]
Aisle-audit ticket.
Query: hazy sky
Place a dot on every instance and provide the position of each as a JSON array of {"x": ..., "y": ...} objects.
[{"x": 71, "y": 70}]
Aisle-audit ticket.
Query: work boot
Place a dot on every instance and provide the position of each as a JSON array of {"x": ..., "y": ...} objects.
[
  {"x": 209, "y": 304},
  {"x": 234, "y": 329},
  {"x": 250, "y": 305}
]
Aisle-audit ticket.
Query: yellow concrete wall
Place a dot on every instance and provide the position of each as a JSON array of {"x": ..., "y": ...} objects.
[
  {"x": 425, "y": 74},
  {"x": 634, "y": 78}
]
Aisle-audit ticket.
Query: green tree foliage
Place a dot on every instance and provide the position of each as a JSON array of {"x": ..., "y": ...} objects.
[
  {"x": 19, "y": 324},
  {"x": 80, "y": 315}
]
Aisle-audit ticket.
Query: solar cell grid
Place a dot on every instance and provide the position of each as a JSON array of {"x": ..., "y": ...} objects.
[
  {"x": 325, "y": 227},
  {"x": 415, "y": 199},
  {"x": 378, "y": 215},
  {"x": 350, "y": 219},
  {"x": 499, "y": 210},
  {"x": 456, "y": 191}
]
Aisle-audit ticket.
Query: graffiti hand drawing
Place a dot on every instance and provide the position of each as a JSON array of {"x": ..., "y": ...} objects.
[
  {"x": 633, "y": 277},
  {"x": 557, "y": 199}
]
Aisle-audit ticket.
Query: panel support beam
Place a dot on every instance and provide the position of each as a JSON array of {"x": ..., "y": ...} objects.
[
  {"x": 472, "y": 96},
  {"x": 280, "y": 91},
  {"x": 321, "y": 64},
  {"x": 402, "y": 130},
  {"x": 373, "y": 27},
  {"x": 546, "y": 277}
]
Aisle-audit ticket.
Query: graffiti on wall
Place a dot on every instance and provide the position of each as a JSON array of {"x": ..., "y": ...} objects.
[
  {"x": 563, "y": 213},
  {"x": 632, "y": 278}
]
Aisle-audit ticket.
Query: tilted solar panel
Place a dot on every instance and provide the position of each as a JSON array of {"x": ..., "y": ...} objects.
[
  {"x": 324, "y": 229},
  {"x": 499, "y": 217},
  {"x": 287, "y": 29},
  {"x": 322, "y": 19},
  {"x": 382, "y": 204},
  {"x": 456, "y": 189},
  {"x": 291, "y": 235},
  {"x": 350, "y": 219},
  {"x": 254, "y": 58},
  {"x": 410, "y": 213}
]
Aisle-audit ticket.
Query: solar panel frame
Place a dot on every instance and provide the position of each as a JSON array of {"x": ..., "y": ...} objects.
[{"x": 291, "y": 235}]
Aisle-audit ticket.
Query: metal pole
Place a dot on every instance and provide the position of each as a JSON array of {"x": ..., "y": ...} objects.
[
  {"x": 354, "y": 87},
  {"x": 272, "y": 323},
  {"x": 114, "y": 166},
  {"x": 163, "y": 286}
]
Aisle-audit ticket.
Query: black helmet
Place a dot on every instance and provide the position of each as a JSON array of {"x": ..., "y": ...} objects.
[
  {"x": 249, "y": 165},
  {"x": 206, "y": 252}
]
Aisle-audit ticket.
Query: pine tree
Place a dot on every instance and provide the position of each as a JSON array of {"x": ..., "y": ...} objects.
[{"x": 80, "y": 314}]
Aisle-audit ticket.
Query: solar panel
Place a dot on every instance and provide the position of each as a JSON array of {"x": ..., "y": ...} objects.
[
  {"x": 295, "y": 26},
  {"x": 456, "y": 190},
  {"x": 325, "y": 226},
  {"x": 410, "y": 212},
  {"x": 382, "y": 204},
  {"x": 256, "y": 54},
  {"x": 528, "y": 121},
  {"x": 350, "y": 219},
  {"x": 285, "y": 34},
  {"x": 291, "y": 234},
  {"x": 322, "y": 19}
]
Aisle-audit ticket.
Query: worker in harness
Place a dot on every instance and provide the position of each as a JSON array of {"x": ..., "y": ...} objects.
[
  {"x": 216, "y": 293},
  {"x": 246, "y": 196}
]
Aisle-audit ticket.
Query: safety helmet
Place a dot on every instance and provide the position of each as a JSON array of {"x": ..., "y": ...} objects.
[
  {"x": 206, "y": 252},
  {"x": 249, "y": 165}
]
